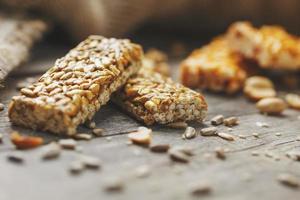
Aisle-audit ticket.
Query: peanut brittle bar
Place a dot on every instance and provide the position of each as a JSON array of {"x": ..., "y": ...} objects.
[
  {"x": 270, "y": 46},
  {"x": 214, "y": 67},
  {"x": 153, "y": 98},
  {"x": 17, "y": 35},
  {"x": 77, "y": 86}
]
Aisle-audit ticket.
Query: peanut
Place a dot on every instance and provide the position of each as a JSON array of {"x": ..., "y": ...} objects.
[
  {"x": 271, "y": 105},
  {"x": 25, "y": 142},
  {"x": 259, "y": 87},
  {"x": 293, "y": 100}
]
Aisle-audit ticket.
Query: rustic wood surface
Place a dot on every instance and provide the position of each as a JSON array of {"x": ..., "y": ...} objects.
[{"x": 240, "y": 176}]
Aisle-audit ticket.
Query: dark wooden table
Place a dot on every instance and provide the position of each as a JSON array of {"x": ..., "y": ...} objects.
[{"x": 240, "y": 176}]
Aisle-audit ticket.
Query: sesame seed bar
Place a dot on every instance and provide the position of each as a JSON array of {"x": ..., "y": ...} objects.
[
  {"x": 17, "y": 35},
  {"x": 270, "y": 46},
  {"x": 214, "y": 67},
  {"x": 77, "y": 86},
  {"x": 153, "y": 98}
]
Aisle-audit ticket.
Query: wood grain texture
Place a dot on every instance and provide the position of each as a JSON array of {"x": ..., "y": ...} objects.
[{"x": 50, "y": 180}]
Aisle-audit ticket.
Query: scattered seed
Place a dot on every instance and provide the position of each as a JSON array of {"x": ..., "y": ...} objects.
[
  {"x": 143, "y": 171},
  {"x": 1, "y": 106},
  {"x": 1, "y": 138},
  {"x": 186, "y": 150},
  {"x": 189, "y": 133},
  {"x": 51, "y": 151},
  {"x": 255, "y": 153},
  {"x": 217, "y": 120},
  {"x": 298, "y": 138},
  {"x": 82, "y": 136},
  {"x": 200, "y": 188},
  {"x": 90, "y": 162},
  {"x": 179, "y": 156},
  {"x": 288, "y": 180},
  {"x": 220, "y": 153},
  {"x": 269, "y": 154},
  {"x": 293, "y": 155},
  {"x": 229, "y": 129},
  {"x": 16, "y": 157},
  {"x": 226, "y": 136},
  {"x": 114, "y": 185},
  {"x": 255, "y": 135},
  {"x": 67, "y": 143},
  {"x": 278, "y": 134},
  {"x": 160, "y": 148},
  {"x": 178, "y": 125},
  {"x": 142, "y": 136},
  {"x": 210, "y": 131},
  {"x": 25, "y": 142},
  {"x": 98, "y": 132},
  {"x": 271, "y": 105},
  {"x": 262, "y": 124},
  {"x": 76, "y": 167},
  {"x": 242, "y": 136},
  {"x": 108, "y": 139},
  {"x": 231, "y": 121}
]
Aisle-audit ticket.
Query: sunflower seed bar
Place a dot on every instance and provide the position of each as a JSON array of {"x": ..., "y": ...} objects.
[
  {"x": 153, "y": 98},
  {"x": 214, "y": 67},
  {"x": 77, "y": 86},
  {"x": 17, "y": 35},
  {"x": 270, "y": 46}
]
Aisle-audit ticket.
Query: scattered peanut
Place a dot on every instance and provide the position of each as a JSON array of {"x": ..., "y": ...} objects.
[
  {"x": 142, "y": 136},
  {"x": 271, "y": 105},
  {"x": 231, "y": 121},
  {"x": 293, "y": 100},
  {"x": 288, "y": 180},
  {"x": 258, "y": 87}
]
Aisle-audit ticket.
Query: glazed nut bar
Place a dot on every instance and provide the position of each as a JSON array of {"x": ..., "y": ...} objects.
[
  {"x": 77, "y": 86},
  {"x": 214, "y": 67},
  {"x": 153, "y": 98},
  {"x": 270, "y": 46}
]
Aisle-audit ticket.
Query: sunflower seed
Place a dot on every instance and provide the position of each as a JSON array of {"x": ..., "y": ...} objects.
[
  {"x": 114, "y": 185},
  {"x": 178, "y": 125},
  {"x": 179, "y": 156},
  {"x": 51, "y": 151},
  {"x": 143, "y": 171},
  {"x": 288, "y": 180},
  {"x": 226, "y": 136},
  {"x": 160, "y": 148},
  {"x": 255, "y": 135},
  {"x": 189, "y": 133},
  {"x": 217, "y": 120},
  {"x": 98, "y": 132},
  {"x": 1, "y": 106},
  {"x": 278, "y": 134},
  {"x": 82, "y": 136},
  {"x": 16, "y": 157},
  {"x": 231, "y": 121},
  {"x": 210, "y": 131},
  {"x": 255, "y": 153},
  {"x": 262, "y": 124},
  {"x": 201, "y": 188},
  {"x": 1, "y": 138},
  {"x": 67, "y": 143},
  {"x": 90, "y": 162},
  {"x": 242, "y": 136},
  {"x": 76, "y": 167},
  {"x": 293, "y": 155},
  {"x": 220, "y": 153}
]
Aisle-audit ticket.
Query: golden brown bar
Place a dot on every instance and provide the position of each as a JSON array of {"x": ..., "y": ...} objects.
[
  {"x": 270, "y": 46},
  {"x": 153, "y": 98},
  {"x": 214, "y": 67},
  {"x": 77, "y": 86}
]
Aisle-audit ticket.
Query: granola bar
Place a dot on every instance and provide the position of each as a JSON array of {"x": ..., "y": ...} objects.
[
  {"x": 77, "y": 86},
  {"x": 215, "y": 67},
  {"x": 270, "y": 46},
  {"x": 17, "y": 35},
  {"x": 153, "y": 98}
]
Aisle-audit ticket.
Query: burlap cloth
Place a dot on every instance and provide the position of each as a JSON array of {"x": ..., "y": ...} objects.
[{"x": 117, "y": 17}]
